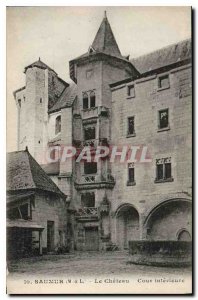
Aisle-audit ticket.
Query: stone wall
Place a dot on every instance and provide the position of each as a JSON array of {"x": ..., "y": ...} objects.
[
  {"x": 51, "y": 208},
  {"x": 175, "y": 142}
]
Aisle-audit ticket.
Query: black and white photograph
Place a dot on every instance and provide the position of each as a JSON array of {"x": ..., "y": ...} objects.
[{"x": 99, "y": 150}]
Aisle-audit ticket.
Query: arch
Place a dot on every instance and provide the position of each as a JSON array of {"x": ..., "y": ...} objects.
[
  {"x": 127, "y": 225},
  {"x": 183, "y": 235},
  {"x": 167, "y": 218},
  {"x": 125, "y": 205},
  {"x": 58, "y": 124}
]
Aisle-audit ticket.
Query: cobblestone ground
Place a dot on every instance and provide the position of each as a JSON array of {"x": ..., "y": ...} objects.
[{"x": 86, "y": 264}]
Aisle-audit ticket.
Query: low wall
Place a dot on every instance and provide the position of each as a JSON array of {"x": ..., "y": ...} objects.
[{"x": 161, "y": 253}]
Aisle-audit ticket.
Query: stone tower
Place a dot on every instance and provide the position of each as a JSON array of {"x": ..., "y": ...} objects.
[
  {"x": 42, "y": 89},
  {"x": 93, "y": 72}
]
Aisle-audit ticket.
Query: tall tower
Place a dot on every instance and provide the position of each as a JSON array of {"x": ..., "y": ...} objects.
[
  {"x": 42, "y": 89},
  {"x": 93, "y": 72}
]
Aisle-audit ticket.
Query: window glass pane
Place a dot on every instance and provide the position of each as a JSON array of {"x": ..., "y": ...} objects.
[
  {"x": 131, "y": 125},
  {"x": 85, "y": 101},
  {"x": 88, "y": 200},
  {"x": 159, "y": 171},
  {"x": 90, "y": 133},
  {"x": 163, "y": 118},
  {"x": 164, "y": 81},
  {"x": 58, "y": 125},
  {"x": 92, "y": 100},
  {"x": 168, "y": 170},
  {"x": 90, "y": 167},
  {"x": 131, "y": 175}
]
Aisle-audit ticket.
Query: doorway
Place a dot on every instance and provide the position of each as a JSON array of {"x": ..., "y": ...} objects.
[
  {"x": 50, "y": 236},
  {"x": 91, "y": 239}
]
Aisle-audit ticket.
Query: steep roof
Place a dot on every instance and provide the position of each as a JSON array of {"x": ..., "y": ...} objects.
[
  {"x": 163, "y": 57},
  {"x": 105, "y": 41},
  {"x": 39, "y": 64},
  {"x": 23, "y": 173},
  {"x": 66, "y": 99}
]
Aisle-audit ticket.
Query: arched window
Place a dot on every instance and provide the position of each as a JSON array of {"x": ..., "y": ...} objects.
[
  {"x": 92, "y": 99},
  {"x": 58, "y": 125},
  {"x": 184, "y": 235},
  {"x": 85, "y": 101}
]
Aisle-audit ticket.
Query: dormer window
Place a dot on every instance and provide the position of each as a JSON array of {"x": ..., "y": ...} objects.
[
  {"x": 85, "y": 101},
  {"x": 58, "y": 125}
]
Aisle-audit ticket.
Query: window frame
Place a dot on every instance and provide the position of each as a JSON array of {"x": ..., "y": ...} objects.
[
  {"x": 163, "y": 162},
  {"x": 83, "y": 99},
  {"x": 129, "y": 182},
  {"x": 89, "y": 128},
  {"x": 129, "y": 96},
  {"x": 159, "y": 78},
  {"x": 56, "y": 125},
  {"x": 89, "y": 94},
  {"x": 128, "y": 133},
  {"x": 86, "y": 162},
  {"x": 168, "y": 125}
]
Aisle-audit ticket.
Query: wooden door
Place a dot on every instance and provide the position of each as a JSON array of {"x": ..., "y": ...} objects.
[
  {"x": 50, "y": 236},
  {"x": 91, "y": 239}
]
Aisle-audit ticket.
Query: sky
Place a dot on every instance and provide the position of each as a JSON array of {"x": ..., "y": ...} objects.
[{"x": 59, "y": 34}]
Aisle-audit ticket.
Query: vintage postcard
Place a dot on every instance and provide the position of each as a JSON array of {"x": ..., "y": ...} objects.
[{"x": 99, "y": 150}]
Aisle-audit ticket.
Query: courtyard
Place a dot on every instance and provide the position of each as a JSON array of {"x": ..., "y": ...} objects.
[{"x": 88, "y": 264}]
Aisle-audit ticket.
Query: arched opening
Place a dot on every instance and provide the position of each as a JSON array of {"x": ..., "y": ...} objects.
[
  {"x": 58, "y": 125},
  {"x": 183, "y": 235},
  {"x": 167, "y": 219},
  {"x": 127, "y": 225}
]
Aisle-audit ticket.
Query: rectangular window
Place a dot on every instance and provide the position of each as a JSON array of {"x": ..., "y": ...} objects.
[
  {"x": 90, "y": 133},
  {"x": 88, "y": 200},
  {"x": 131, "y": 91},
  {"x": 90, "y": 167},
  {"x": 131, "y": 126},
  {"x": 163, "y": 82},
  {"x": 131, "y": 173},
  {"x": 163, "y": 169},
  {"x": 85, "y": 103},
  {"x": 163, "y": 119}
]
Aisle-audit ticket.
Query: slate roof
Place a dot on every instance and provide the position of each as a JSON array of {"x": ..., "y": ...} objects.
[
  {"x": 105, "y": 41},
  {"x": 39, "y": 64},
  {"x": 66, "y": 99},
  {"x": 163, "y": 57},
  {"x": 24, "y": 173}
]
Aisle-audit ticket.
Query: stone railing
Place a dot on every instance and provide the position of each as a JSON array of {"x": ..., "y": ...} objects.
[
  {"x": 88, "y": 179},
  {"x": 88, "y": 212},
  {"x": 94, "y": 112},
  {"x": 94, "y": 181}
]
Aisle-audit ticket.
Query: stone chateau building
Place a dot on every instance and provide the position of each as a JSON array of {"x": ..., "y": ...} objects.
[{"x": 115, "y": 100}]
